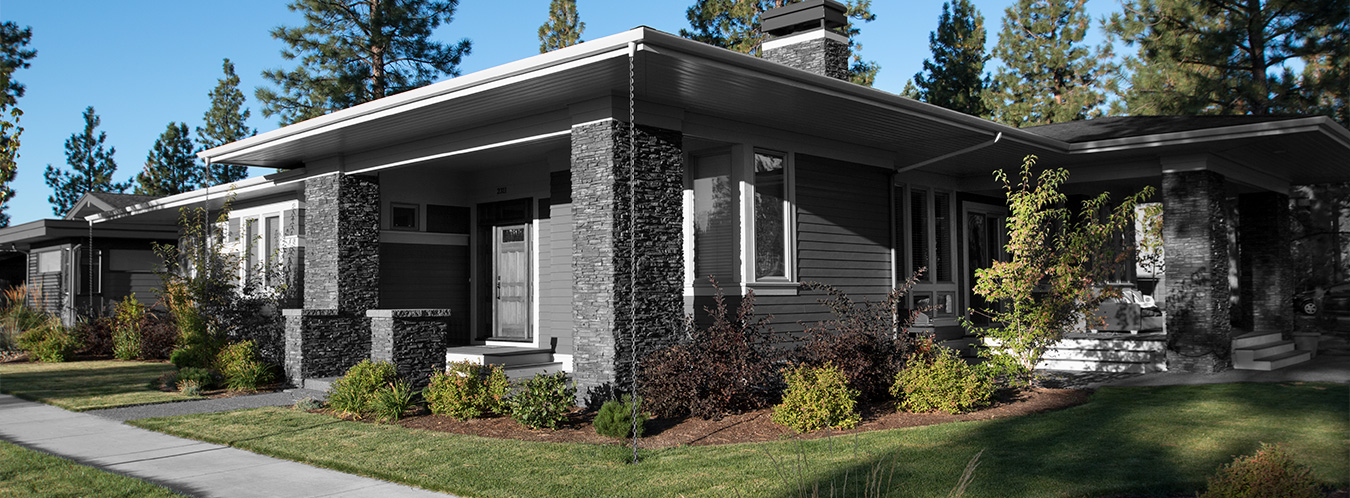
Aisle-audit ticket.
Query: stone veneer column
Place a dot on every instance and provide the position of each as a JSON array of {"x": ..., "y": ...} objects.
[
  {"x": 600, "y": 264},
  {"x": 1267, "y": 278},
  {"x": 341, "y": 277},
  {"x": 1195, "y": 242}
]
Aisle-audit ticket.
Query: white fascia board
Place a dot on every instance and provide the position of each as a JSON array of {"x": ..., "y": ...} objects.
[
  {"x": 1254, "y": 130},
  {"x": 525, "y": 69},
  {"x": 184, "y": 199}
]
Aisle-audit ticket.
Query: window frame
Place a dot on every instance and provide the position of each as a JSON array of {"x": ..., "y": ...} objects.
[
  {"x": 416, "y": 216},
  {"x": 789, "y": 278}
]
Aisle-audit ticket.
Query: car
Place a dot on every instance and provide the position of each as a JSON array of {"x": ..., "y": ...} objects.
[{"x": 1336, "y": 301}]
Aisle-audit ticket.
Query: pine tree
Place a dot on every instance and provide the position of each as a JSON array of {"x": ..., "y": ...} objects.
[
  {"x": 13, "y": 56},
  {"x": 92, "y": 167},
  {"x": 955, "y": 77},
  {"x": 563, "y": 28},
  {"x": 734, "y": 25},
  {"x": 355, "y": 52},
  {"x": 170, "y": 167},
  {"x": 226, "y": 121},
  {"x": 1230, "y": 56},
  {"x": 1048, "y": 74}
]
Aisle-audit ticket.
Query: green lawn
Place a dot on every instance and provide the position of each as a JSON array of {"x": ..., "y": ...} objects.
[
  {"x": 24, "y": 472},
  {"x": 1124, "y": 441},
  {"x": 87, "y": 385}
]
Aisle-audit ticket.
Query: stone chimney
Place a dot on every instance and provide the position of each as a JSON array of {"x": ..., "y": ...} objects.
[{"x": 805, "y": 35}]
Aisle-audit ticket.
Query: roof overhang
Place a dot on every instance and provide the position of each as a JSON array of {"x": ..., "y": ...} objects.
[
  {"x": 164, "y": 211},
  {"x": 46, "y": 230}
]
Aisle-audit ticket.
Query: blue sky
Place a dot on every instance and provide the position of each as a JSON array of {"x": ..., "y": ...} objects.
[{"x": 143, "y": 64}]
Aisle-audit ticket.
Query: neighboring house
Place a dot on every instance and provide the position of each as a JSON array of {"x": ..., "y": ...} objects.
[
  {"x": 491, "y": 216},
  {"x": 77, "y": 268}
]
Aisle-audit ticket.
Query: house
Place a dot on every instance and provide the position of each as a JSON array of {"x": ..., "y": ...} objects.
[
  {"x": 557, "y": 210},
  {"x": 76, "y": 268}
]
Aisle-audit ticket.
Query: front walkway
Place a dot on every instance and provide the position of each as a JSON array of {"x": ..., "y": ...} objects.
[{"x": 183, "y": 465}]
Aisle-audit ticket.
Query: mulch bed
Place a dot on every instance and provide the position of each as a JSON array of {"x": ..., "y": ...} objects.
[{"x": 744, "y": 428}]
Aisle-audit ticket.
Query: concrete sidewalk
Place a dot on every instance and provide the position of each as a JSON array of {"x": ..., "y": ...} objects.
[{"x": 191, "y": 467}]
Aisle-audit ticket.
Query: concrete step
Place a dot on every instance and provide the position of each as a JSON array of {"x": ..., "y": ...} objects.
[
  {"x": 318, "y": 384},
  {"x": 1103, "y": 366},
  {"x": 1256, "y": 339},
  {"x": 1273, "y": 362},
  {"x": 1112, "y": 344},
  {"x": 1253, "y": 353},
  {"x": 503, "y": 356},
  {"x": 525, "y": 371},
  {"x": 1060, "y": 353}
]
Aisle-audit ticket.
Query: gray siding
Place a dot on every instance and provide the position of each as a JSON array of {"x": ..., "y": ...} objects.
[
  {"x": 427, "y": 276},
  {"x": 555, "y": 277},
  {"x": 843, "y": 239}
]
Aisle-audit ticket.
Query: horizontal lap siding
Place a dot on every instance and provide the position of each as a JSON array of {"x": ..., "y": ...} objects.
[
  {"x": 555, "y": 275},
  {"x": 427, "y": 276},
  {"x": 843, "y": 239}
]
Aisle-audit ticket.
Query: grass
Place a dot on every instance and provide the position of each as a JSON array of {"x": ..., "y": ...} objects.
[
  {"x": 1130, "y": 441},
  {"x": 24, "y": 472},
  {"x": 87, "y": 385}
]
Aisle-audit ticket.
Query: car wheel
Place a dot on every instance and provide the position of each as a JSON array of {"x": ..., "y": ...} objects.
[{"x": 1310, "y": 308}]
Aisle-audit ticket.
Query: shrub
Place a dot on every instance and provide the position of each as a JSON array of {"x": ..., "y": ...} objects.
[
  {"x": 165, "y": 381},
  {"x": 96, "y": 335},
  {"x": 1270, "y": 472},
  {"x": 195, "y": 346},
  {"x": 817, "y": 397},
  {"x": 127, "y": 316},
  {"x": 159, "y": 335},
  {"x": 543, "y": 401},
  {"x": 943, "y": 381},
  {"x": 242, "y": 369},
  {"x": 615, "y": 418},
  {"x": 724, "y": 369},
  {"x": 467, "y": 390},
  {"x": 20, "y": 315},
  {"x": 204, "y": 378},
  {"x": 307, "y": 403},
  {"x": 391, "y": 400},
  {"x": 354, "y": 392},
  {"x": 868, "y": 342},
  {"x": 189, "y": 387},
  {"x": 49, "y": 341}
]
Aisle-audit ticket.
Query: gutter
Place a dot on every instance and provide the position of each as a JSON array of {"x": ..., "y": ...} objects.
[
  {"x": 183, "y": 199},
  {"x": 1254, "y": 130}
]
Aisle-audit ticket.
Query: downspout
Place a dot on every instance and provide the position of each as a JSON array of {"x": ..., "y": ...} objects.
[{"x": 950, "y": 155}]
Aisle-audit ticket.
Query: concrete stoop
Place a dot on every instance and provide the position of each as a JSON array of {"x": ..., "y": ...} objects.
[
  {"x": 1108, "y": 352},
  {"x": 1266, "y": 351},
  {"x": 518, "y": 362}
]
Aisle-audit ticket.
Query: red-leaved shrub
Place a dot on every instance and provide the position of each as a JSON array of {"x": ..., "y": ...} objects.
[
  {"x": 868, "y": 342},
  {"x": 724, "y": 369}
]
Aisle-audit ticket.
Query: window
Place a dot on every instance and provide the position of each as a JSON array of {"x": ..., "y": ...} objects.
[
  {"x": 926, "y": 220},
  {"x": 251, "y": 248},
  {"x": 403, "y": 216},
  {"x": 49, "y": 262},
  {"x": 714, "y": 219},
  {"x": 271, "y": 244},
  {"x": 772, "y": 217}
]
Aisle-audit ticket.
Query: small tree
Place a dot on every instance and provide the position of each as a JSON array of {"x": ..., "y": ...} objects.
[
  {"x": 1056, "y": 269},
  {"x": 209, "y": 301}
]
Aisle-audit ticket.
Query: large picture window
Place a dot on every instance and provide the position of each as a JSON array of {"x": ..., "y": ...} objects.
[
  {"x": 772, "y": 217},
  {"x": 714, "y": 219}
]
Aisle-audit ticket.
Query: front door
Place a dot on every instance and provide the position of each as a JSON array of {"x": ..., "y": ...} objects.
[
  {"x": 511, "y": 282},
  {"x": 986, "y": 236}
]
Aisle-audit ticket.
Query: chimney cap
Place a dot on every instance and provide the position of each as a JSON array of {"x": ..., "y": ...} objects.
[{"x": 803, "y": 16}]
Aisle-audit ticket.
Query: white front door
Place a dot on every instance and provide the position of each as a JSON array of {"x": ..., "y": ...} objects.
[{"x": 511, "y": 282}]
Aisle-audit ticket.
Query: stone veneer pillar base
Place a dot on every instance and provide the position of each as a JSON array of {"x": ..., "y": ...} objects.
[
  {"x": 323, "y": 343},
  {"x": 603, "y": 327},
  {"x": 412, "y": 339},
  {"x": 1195, "y": 239}
]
